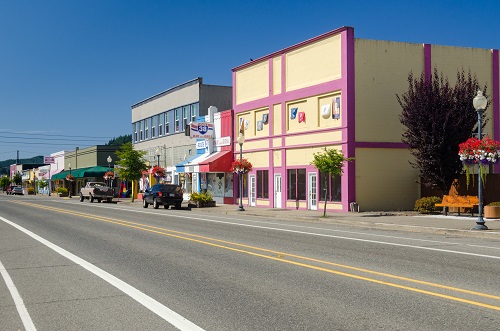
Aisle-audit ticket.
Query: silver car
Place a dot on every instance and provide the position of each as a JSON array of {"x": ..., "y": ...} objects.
[{"x": 17, "y": 190}]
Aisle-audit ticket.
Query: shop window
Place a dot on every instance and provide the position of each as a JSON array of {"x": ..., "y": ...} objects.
[
  {"x": 332, "y": 185},
  {"x": 297, "y": 189},
  {"x": 153, "y": 126},
  {"x": 178, "y": 115},
  {"x": 186, "y": 113},
  {"x": 161, "y": 119},
  {"x": 194, "y": 112},
  {"x": 146, "y": 128},
  {"x": 263, "y": 184}
]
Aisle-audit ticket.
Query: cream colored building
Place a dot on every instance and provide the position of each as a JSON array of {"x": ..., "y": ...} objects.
[{"x": 337, "y": 91}]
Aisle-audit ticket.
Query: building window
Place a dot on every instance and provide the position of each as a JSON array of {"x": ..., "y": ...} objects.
[
  {"x": 330, "y": 184},
  {"x": 178, "y": 114},
  {"x": 146, "y": 128},
  {"x": 136, "y": 133},
  {"x": 186, "y": 113},
  {"x": 194, "y": 112},
  {"x": 141, "y": 131},
  {"x": 296, "y": 184},
  {"x": 161, "y": 119},
  {"x": 153, "y": 126},
  {"x": 263, "y": 184}
]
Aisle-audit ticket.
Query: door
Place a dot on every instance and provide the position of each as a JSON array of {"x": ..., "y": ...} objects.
[
  {"x": 252, "y": 190},
  {"x": 277, "y": 191},
  {"x": 312, "y": 189}
]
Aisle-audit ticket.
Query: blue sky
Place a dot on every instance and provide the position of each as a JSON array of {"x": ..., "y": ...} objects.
[{"x": 71, "y": 69}]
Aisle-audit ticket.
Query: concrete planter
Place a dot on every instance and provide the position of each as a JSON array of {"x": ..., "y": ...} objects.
[
  {"x": 201, "y": 204},
  {"x": 492, "y": 212}
]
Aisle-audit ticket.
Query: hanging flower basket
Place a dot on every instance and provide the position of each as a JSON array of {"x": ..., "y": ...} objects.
[
  {"x": 158, "y": 172},
  {"x": 241, "y": 166},
  {"x": 108, "y": 175},
  {"x": 478, "y": 152},
  {"x": 70, "y": 177}
]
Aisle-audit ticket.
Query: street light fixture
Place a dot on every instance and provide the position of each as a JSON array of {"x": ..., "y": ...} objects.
[
  {"x": 480, "y": 103},
  {"x": 158, "y": 156},
  {"x": 70, "y": 186},
  {"x": 241, "y": 140},
  {"x": 109, "y": 159}
]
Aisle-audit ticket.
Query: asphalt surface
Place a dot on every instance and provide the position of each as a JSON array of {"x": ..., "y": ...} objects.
[{"x": 410, "y": 221}]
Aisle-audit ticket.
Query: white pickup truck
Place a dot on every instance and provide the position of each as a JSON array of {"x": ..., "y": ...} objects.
[{"x": 96, "y": 191}]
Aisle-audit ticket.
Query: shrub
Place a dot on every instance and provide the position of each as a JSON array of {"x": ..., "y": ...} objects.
[
  {"x": 495, "y": 203},
  {"x": 202, "y": 197},
  {"x": 426, "y": 205},
  {"x": 31, "y": 190},
  {"x": 62, "y": 190}
]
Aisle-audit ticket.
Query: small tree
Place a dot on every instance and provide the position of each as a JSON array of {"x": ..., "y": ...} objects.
[
  {"x": 43, "y": 184},
  {"x": 437, "y": 118},
  {"x": 331, "y": 161},
  {"x": 17, "y": 179},
  {"x": 4, "y": 182},
  {"x": 131, "y": 163}
]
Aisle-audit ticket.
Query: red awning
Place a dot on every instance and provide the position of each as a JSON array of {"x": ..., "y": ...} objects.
[{"x": 218, "y": 162}]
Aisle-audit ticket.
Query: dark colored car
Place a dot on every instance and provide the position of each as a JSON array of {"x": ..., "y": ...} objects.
[{"x": 163, "y": 194}]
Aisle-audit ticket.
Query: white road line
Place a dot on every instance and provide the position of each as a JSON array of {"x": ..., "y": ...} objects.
[
  {"x": 21, "y": 308},
  {"x": 159, "y": 309}
]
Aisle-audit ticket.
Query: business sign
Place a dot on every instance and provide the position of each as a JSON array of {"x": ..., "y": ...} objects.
[
  {"x": 201, "y": 130},
  {"x": 224, "y": 141},
  {"x": 48, "y": 159}
]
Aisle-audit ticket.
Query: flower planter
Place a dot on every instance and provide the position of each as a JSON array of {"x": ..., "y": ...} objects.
[
  {"x": 492, "y": 212},
  {"x": 201, "y": 204}
]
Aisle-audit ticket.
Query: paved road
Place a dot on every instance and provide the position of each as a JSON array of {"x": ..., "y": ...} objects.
[{"x": 82, "y": 266}]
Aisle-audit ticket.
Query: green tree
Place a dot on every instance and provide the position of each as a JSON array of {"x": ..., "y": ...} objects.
[
  {"x": 17, "y": 179},
  {"x": 331, "y": 161},
  {"x": 43, "y": 184},
  {"x": 437, "y": 118},
  {"x": 118, "y": 141},
  {"x": 131, "y": 164},
  {"x": 4, "y": 182}
]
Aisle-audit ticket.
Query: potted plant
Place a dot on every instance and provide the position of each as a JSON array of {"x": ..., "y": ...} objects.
[
  {"x": 62, "y": 192},
  {"x": 492, "y": 210},
  {"x": 108, "y": 175},
  {"x": 201, "y": 200}
]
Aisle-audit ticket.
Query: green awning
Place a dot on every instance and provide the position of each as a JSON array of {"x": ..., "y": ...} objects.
[{"x": 96, "y": 171}]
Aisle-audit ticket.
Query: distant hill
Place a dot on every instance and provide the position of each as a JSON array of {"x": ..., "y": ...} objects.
[{"x": 5, "y": 165}]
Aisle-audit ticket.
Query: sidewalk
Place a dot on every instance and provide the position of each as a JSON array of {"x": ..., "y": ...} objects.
[
  {"x": 407, "y": 221},
  {"x": 398, "y": 221}
]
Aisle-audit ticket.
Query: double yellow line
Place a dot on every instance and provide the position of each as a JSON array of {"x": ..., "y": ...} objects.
[{"x": 298, "y": 260}]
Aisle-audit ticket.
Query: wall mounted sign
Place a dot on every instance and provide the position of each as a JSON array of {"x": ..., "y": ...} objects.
[
  {"x": 325, "y": 111},
  {"x": 201, "y": 130},
  {"x": 293, "y": 113},
  {"x": 260, "y": 125},
  {"x": 302, "y": 117},
  {"x": 336, "y": 108},
  {"x": 265, "y": 118}
]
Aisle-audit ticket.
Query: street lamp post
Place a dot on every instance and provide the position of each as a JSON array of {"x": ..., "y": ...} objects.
[
  {"x": 480, "y": 103},
  {"x": 109, "y": 159},
  {"x": 70, "y": 186},
  {"x": 158, "y": 156},
  {"x": 241, "y": 140}
]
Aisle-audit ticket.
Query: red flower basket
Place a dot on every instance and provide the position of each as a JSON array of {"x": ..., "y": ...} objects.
[
  {"x": 241, "y": 166},
  {"x": 158, "y": 172},
  {"x": 109, "y": 175}
]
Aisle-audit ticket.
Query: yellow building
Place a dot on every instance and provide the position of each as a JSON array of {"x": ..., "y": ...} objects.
[{"x": 337, "y": 91}]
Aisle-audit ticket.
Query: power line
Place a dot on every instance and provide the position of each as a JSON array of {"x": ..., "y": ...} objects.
[{"x": 52, "y": 135}]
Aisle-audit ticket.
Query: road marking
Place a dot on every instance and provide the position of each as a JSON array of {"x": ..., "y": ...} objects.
[
  {"x": 279, "y": 256},
  {"x": 21, "y": 308},
  {"x": 159, "y": 309}
]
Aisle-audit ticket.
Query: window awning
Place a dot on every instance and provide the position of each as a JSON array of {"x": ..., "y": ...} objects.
[
  {"x": 180, "y": 167},
  {"x": 96, "y": 171},
  {"x": 192, "y": 166},
  {"x": 217, "y": 162}
]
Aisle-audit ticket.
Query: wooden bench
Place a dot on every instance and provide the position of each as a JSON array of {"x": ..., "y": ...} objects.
[{"x": 458, "y": 202}]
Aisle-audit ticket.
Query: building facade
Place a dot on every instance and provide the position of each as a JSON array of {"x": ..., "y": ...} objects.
[
  {"x": 336, "y": 91},
  {"x": 159, "y": 123}
]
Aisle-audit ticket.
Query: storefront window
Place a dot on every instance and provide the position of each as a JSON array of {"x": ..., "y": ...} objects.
[
  {"x": 296, "y": 184},
  {"x": 332, "y": 185},
  {"x": 263, "y": 184}
]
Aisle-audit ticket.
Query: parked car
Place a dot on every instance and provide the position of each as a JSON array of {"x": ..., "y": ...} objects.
[
  {"x": 17, "y": 190},
  {"x": 163, "y": 194}
]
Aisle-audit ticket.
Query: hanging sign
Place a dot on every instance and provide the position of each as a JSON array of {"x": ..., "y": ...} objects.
[{"x": 202, "y": 130}]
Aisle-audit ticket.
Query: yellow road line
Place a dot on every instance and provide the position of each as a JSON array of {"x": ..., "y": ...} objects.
[{"x": 280, "y": 257}]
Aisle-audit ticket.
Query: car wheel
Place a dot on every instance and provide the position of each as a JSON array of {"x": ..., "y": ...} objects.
[
  {"x": 165, "y": 206},
  {"x": 99, "y": 200},
  {"x": 155, "y": 204},
  {"x": 144, "y": 204},
  {"x": 81, "y": 197},
  {"x": 178, "y": 206},
  {"x": 91, "y": 198},
  {"x": 109, "y": 199}
]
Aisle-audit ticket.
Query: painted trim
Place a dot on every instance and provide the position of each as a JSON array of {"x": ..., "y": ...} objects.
[
  {"x": 348, "y": 74},
  {"x": 428, "y": 62},
  {"x": 381, "y": 145},
  {"x": 496, "y": 98}
]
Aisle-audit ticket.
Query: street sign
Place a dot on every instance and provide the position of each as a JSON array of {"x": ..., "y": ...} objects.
[{"x": 48, "y": 159}]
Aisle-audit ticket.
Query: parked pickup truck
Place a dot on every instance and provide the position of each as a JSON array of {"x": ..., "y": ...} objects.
[{"x": 96, "y": 191}]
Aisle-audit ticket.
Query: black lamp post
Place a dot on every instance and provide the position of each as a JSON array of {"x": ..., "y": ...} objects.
[
  {"x": 480, "y": 103},
  {"x": 109, "y": 159},
  {"x": 69, "y": 194},
  {"x": 158, "y": 156},
  {"x": 241, "y": 140}
]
